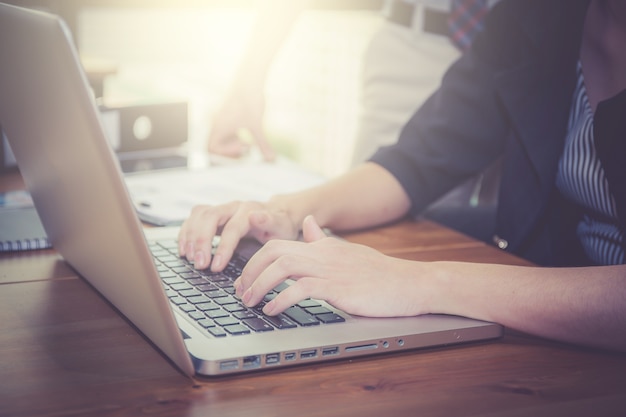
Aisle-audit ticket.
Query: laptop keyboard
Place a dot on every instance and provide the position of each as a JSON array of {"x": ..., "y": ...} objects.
[{"x": 208, "y": 297}]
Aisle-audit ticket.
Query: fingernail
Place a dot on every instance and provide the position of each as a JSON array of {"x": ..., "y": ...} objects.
[
  {"x": 217, "y": 262},
  {"x": 199, "y": 260},
  {"x": 238, "y": 287},
  {"x": 269, "y": 308},
  {"x": 247, "y": 296}
]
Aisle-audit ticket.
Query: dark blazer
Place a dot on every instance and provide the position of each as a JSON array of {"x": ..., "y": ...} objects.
[{"x": 509, "y": 97}]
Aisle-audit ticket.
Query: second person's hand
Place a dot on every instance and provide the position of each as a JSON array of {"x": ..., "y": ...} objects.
[{"x": 242, "y": 111}]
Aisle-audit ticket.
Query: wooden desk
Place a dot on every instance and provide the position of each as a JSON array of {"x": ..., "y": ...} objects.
[{"x": 64, "y": 351}]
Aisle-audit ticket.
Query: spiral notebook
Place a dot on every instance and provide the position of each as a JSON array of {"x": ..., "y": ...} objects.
[{"x": 21, "y": 229}]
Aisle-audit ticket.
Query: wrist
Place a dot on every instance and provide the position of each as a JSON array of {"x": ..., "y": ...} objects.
[
  {"x": 284, "y": 203},
  {"x": 295, "y": 206},
  {"x": 454, "y": 286},
  {"x": 440, "y": 288}
]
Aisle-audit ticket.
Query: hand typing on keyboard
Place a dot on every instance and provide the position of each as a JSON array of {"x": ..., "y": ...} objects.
[
  {"x": 232, "y": 222},
  {"x": 329, "y": 269},
  {"x": 207, "y": 299},
  {"x": 354, "y": 278}
]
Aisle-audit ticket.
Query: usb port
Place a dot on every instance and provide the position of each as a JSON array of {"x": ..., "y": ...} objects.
[
  {"x": 289, "y": 356},
  {"x": 308, "y": 354},
  {"x": 250, "y": 362},
  {"x": 229, "y": 365},
  {"x": 272, "y": 358},
  {"x": 330, "y": 351}
]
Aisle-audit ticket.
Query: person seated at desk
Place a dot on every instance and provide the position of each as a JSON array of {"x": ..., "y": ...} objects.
[{"x": 544, "y": 89}]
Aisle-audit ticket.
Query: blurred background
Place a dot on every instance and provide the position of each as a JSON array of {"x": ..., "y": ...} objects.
[{"x": 168, "y": 50}]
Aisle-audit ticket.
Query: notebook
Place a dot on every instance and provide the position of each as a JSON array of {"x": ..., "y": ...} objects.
[
  {"x": 20, "y": 230},
  {"x": 52, "y": 124}
]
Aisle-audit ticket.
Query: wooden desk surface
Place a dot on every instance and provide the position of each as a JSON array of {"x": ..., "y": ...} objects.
[{"x": 64, "y": 351}]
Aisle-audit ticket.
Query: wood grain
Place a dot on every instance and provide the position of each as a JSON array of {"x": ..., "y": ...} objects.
[{"x": 65, "y": 351}]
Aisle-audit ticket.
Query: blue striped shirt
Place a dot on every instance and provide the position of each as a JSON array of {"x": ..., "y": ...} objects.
[{"x": 580, "y": 178}]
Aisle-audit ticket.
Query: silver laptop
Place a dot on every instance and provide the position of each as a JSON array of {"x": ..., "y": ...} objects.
[{"x": 51, "y": 121}]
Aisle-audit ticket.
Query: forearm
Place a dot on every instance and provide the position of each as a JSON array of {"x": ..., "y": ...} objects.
[
  {"x": 578, "y": 305},
  {"x": 366, "y": 196}
]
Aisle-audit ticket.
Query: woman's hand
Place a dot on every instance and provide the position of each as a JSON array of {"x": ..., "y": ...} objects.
[
  {"x": 354, "y": 278},
  {"x": 232, "y": 221}
]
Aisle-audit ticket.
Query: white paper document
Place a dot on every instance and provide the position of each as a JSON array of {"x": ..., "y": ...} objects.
[{"x": 165, "y": 198}]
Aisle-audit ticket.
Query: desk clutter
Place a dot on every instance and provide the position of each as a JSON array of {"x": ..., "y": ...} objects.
[
  {"x": 144, "y": 136},
  {"x": 164, "y": 197}
]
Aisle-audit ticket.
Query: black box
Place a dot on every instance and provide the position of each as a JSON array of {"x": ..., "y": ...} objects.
[{"x": 147, "y": 136}]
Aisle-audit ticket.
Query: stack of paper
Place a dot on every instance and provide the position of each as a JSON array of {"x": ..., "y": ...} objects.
[{"x": 165, "y": 198}]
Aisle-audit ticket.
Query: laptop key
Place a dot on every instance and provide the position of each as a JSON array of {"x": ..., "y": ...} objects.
[
  {"x": 168, "y": 243},
  {"x": 237, "y": 329},
  {"x": 167, "y": 259},
  {"x": 217, "y": 331},
  {"x": 167, "y": 274},
  {"x": 189, "y": 275},
  {"x": 301, "y": 317},
  {"x": 205, "y": 287},
  {"x": 235, "y": 307},
  {"x": 280, "y": 322},
  {"x": 258, "y": 325},
  {"x": 230, "y": 271},
  {"x": 330, "y": 318},
  {"x": 177, "y": 266},
  {"x": 198, "y": 282},
  {"x": 226, "y": 321},
  {"x": 181, "y": 286},
  {"x": 196, "y": 315},
  {"x": 216, "y": 294},
  {"x": 214, "y": 276},
  {"x": 245, "y": 314},
  {"x": 224, "y": 284},
  {"x": 179, "y": 269},
  {"x": 308, "y": 303},
  {"x": 187, "y": 308},
  {"x": 198, "y": 299},
  {"x": 170, "y": 280},
  {"x": 316, "y": 311},
  {"x": 206, "y": 323},
  {"x": 270, "y": 296},
  {"x": 208, "y": 306},
  {"x": 192, "y": 292},
  {"x": 214, "y": 314},
  {"x": 259, "y": 308},
  {"x": 229, "y": 299},
  {"x": 178, "y": 300}
]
